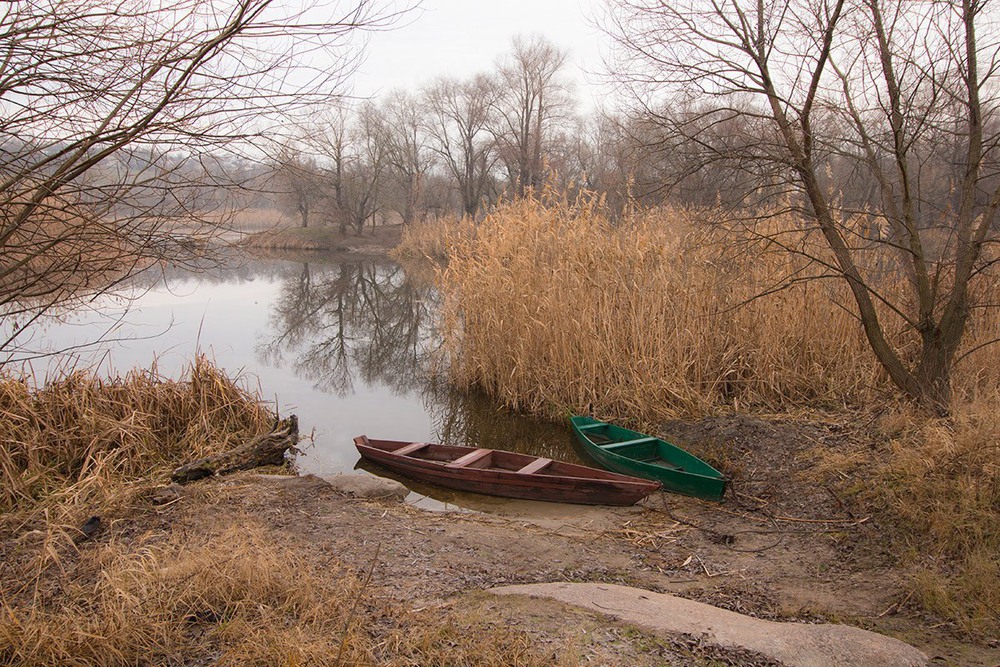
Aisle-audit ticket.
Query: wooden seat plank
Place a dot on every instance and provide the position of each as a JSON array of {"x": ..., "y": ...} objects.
[
  {"x": 410, "y": 448},
  {"x": 535, "y": 466},
  {"x": 625, "y": 443},
  {"x": 470, "y": 458}
]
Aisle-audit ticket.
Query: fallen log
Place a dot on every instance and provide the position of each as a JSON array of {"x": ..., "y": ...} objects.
[{"x": 263, "y": 450}]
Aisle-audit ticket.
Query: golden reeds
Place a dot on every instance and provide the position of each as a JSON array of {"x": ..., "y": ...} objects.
[
  {"x": 79, "y": 439},
  {"x": 550, "y": 307},
  {"x": 433, "y": 239}
]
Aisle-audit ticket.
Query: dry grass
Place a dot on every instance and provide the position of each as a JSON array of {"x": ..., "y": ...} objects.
[
  {"x": 552, "y": 308},
  {"x": 82, "y": 440},
  {"x": 234, "y": 597},
  {"x": 433, "y": 240},
  {"x": 937, "y": 485},
  {"x": 324, "y": 238},
  {"x": 258, "y": 220}
]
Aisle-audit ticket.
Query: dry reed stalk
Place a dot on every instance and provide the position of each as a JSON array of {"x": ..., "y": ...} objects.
[
  {"x": 79, "y": 440},
  {"x": 550, "y": 307}
]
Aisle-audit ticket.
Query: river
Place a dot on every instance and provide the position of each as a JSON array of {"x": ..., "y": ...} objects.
[{"x": 346, "y": 346}]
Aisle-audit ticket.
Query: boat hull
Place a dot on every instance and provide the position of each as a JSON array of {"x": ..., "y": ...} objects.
[
  {"x": 498, "y": 473},
  {"x": 633, "y": 453}
]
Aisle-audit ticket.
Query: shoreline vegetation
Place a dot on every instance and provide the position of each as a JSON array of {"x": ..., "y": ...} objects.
[
  {"x": 551, "y": 307},
  {"x": 375, "y": 241},
  {"x": 130, "y": 588}
]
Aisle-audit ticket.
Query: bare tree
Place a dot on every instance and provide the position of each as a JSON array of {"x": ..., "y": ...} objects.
[
  {"x": 107, "y": 109},
  {"x": 407, "y": 151},
  {"x": 355, "y": 148},
  {"x": 329, "y": 140},
  {"x": 370, "y": 137},
  {"x": 896, "y": 94},
  {"x": 299, "y": 183},
  {"x": 458, "y": 119},
  {"x": 532, "y": 99}
]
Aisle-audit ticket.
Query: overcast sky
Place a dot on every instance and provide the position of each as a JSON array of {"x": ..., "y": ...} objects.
[{"x": 463, "y": 37}]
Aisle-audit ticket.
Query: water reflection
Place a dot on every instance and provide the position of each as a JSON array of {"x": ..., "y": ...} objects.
[
  {"x": 462, "y": 418},
  {"x": 351, "y": 320},
  {"x": 335, "y": 324}
]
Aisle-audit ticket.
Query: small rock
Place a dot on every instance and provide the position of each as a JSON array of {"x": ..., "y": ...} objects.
[
  {"x": 358, "y": 485},
  {"x": 166, "y": 494},
  {"x": 88, "y": 529}
]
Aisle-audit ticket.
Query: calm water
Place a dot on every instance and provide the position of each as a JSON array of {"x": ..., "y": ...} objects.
[{"x": 347, "y": 347}]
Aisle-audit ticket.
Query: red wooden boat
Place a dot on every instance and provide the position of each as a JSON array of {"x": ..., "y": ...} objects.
[{"x": 508, "y": 474}]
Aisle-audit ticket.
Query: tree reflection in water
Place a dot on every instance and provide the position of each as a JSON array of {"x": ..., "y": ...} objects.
[
  {"x": 462, "y": 418},
  {"x": 338, "y": 322},
  {"x": 360, "y": 320}
]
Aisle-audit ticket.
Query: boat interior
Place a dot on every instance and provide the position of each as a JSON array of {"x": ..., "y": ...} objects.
[
  {"x": 646, "y": 449},
  {"x": 485, "y": 459}
]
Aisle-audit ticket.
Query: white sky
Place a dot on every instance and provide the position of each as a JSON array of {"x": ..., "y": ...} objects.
[{"x": 463, "y": 37}]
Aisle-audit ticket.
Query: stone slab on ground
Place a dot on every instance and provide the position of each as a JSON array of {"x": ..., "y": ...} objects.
[
  {"x": 358, "y": 485},
  {"x": 794, "y": 644}
]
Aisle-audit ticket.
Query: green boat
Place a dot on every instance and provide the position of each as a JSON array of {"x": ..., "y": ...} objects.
[{"x": 634, "y": 453}]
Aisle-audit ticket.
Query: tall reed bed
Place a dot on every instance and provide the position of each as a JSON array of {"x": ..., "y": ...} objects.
[
  {"x": 551, "y": 307},
  {"x": 80, "y": 439}
]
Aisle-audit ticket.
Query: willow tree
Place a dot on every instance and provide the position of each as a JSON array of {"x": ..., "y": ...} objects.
[
  {"x": 110, "y": 113},
  {"x": 878, "y": 108}
]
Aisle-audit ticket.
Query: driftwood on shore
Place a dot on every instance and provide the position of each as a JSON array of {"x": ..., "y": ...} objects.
[{"x": 263, "y": 450}]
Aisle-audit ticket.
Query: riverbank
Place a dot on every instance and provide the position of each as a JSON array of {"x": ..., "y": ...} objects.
[
  {"x": 408, "y": 585},
  {"x": 373, "y": 242},
  {"x": 274, "y": 568},
  {"x": 859, "y": 516}
]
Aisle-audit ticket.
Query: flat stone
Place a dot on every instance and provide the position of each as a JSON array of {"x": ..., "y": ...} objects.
[
  {"x": 359, "y": 485},
  {"x": 793, "y": 644}
]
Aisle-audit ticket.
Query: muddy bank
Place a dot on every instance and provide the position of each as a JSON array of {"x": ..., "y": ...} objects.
[{"x": 439, "y": 563}]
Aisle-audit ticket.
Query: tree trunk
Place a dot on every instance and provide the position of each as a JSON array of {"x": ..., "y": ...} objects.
[{"x": 267, "y": 449}]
